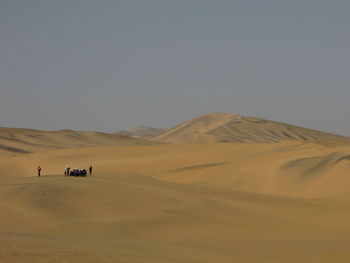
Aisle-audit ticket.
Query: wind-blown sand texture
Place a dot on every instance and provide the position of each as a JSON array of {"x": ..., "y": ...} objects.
[
  {"x": 286, "y": 201},
  {"x": 222, "y": 127},
  {"x": 14, "y": 141}
]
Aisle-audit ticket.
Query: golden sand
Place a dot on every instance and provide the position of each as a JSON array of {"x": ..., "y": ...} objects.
[{"x": 205, "y": 202}]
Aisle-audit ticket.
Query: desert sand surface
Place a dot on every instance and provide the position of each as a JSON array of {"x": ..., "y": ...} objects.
[
  {"x": 14, "y": 140},
  {"x": 224, "y": 127},
  {"x": 286, "y": 201}
]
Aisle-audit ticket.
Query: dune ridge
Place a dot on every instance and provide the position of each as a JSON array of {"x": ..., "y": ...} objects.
[
  {"x": 249, "y": 203},
  {"x": 274, "y": 195},
  {"x": 19, "y": 141},
  {"x": 223, "y": 127}
]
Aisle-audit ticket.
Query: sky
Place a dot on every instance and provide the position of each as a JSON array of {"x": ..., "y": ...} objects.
[{"x": 109, "y": 65}]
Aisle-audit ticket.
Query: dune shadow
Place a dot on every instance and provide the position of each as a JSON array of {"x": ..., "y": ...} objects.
[
  {"x": 12, "y": 149},
  {"x": 193, "y": 167},
  {"x": 313, "y": 165}
]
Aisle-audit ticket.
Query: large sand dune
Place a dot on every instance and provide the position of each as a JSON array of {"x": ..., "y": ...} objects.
[
  {"x": 222, "y": 127},
  {"x": 132, "y": 218},
  {"x": 205, "y": 202},
  {"x": 17, "y": 141}
]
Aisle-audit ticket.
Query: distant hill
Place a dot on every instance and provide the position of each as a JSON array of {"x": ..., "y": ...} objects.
[
  {"x": 217, "y": 127},
  {"x": 222, "y": 127},
  {"x": 141, "y": 131},
  {"x": 18, "y": 141}
]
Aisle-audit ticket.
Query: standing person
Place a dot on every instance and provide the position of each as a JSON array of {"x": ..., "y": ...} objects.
[
  {"x": 90, "y": 170},
  {"x": 68, "y": 169},
  {"x": 39, "y": 170}
]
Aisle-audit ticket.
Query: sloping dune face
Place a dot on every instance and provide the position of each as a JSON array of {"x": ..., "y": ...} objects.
[
  {"x": 295, "y": 169},
  {"x": 18, "y": 141},
  {"x": 178, "y": 203},
  {"x": 141, "y": 131},
  {"x": 221, "y": 127},
  {"x": 286, "y": 201}
]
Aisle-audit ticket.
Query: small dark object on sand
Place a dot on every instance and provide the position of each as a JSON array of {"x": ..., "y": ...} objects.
[{"x": 78, "y": 172}]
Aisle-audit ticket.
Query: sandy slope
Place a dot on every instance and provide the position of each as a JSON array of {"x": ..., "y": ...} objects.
[
  {"x": 132, "y": 218},
  {"x": 18, "y": 141},
  {"x": 141, "y": 131},
  {"x": 286, "y": 201},
  {"x": 223, "y": 127},
  {"x": 281, "y": 202},
  {"x": 299, "y": 169}
]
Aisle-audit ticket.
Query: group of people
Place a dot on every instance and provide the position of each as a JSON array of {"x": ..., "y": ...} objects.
[
  {"x": 67, "y": 171},
  {"x": 76, "y": 171}
]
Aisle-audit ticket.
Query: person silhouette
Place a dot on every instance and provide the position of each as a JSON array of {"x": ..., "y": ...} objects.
[
  {"x": 66, "y": 170},
  {"x": 39, "y": 170},
  {"x": 90, "y": 170}
]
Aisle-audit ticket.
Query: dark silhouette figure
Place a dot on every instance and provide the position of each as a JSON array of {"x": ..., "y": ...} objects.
[
  {"x": 66, "y": 171},
  {"x": 39, "y": 170},
  {"x": 90, "y": 170}
]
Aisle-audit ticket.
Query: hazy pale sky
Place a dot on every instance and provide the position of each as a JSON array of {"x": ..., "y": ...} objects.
[{"x": 111, "y": 65}]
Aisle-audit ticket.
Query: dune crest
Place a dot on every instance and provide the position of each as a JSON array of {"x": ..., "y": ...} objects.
[
  {"x": 249, "y": 200},
  {"x": 18, "y": 141},
  {"x": 223, "y": 127}
]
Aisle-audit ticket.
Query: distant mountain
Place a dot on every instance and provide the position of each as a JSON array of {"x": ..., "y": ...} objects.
[
  {"x": 141, "y": 131},
  {"x": 222, "y": 127}
]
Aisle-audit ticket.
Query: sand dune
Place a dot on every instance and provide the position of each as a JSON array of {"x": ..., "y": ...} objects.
[
  {"x": 17, "y": 141},
  {"x": 285, "y": 201},
  {"x": 222, "y": 127},
  {"x": 297, "y": 169},
  {"x": 141, "y": 131},
  {"x": 122, "y": 215}
]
